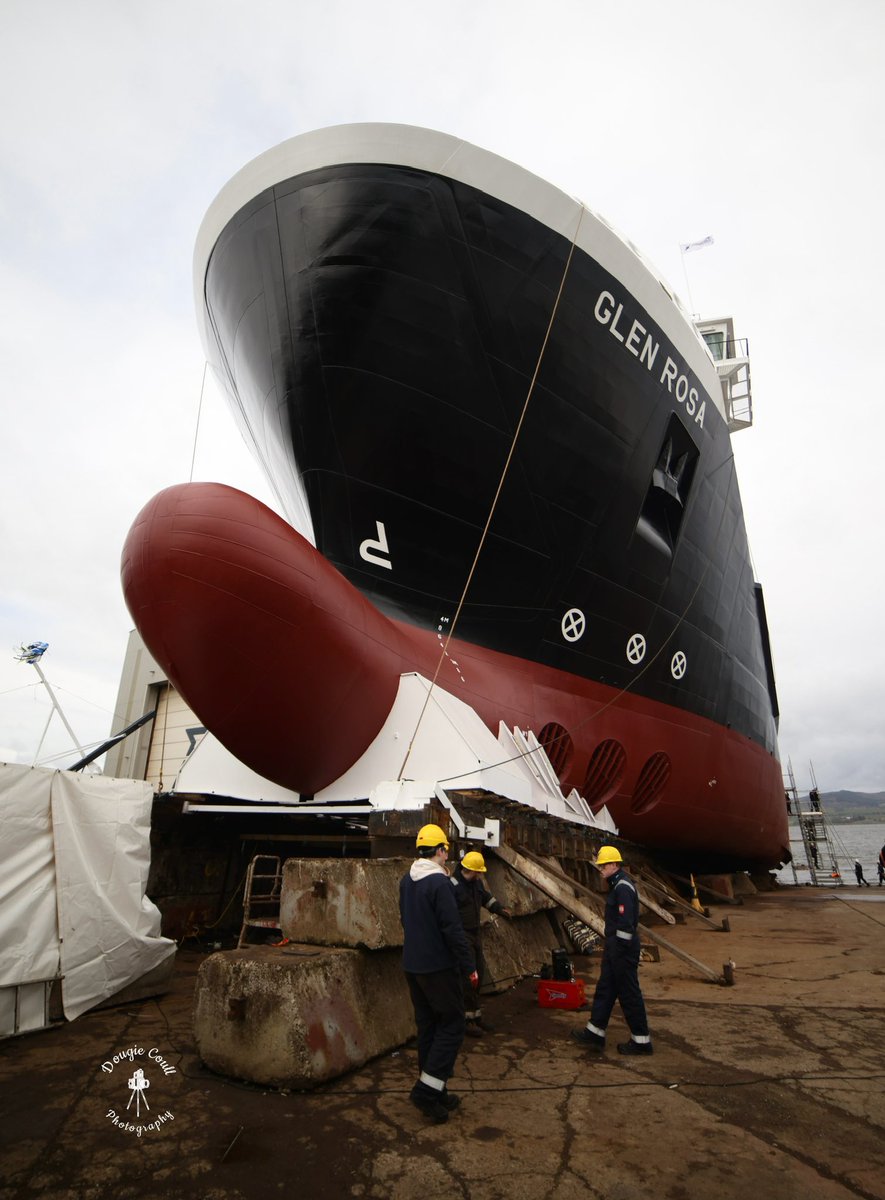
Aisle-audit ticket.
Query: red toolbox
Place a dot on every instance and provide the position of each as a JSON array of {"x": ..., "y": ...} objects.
[{"x": 561, "y": 993}]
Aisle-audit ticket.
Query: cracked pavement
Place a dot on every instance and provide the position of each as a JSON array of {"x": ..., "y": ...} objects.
[{"x": 774, "y": 1087}]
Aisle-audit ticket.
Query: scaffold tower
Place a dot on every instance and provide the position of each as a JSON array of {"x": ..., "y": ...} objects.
[{"x": 815, "y": 833}]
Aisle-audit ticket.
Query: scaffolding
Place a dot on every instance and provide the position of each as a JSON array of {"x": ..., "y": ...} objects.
[{"x": 815, "y": 834}]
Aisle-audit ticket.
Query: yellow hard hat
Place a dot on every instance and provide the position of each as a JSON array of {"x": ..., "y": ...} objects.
[
  {"x": 474, "y": 861},
  {"x": 431, "y": 835},
  {"x": 608, "y": 854}
]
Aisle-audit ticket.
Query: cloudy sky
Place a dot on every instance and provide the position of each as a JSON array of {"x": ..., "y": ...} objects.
[{"x": 759, "y": 124}]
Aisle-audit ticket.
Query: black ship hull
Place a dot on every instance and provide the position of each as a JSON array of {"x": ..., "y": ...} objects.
[{"x": 493, "y": 419}]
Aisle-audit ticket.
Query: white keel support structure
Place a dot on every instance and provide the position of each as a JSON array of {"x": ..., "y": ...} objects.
[{"x": 451, "y": 750}]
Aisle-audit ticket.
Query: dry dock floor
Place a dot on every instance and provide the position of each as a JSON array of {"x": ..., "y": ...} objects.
[{"x": 772, "y": 1088}]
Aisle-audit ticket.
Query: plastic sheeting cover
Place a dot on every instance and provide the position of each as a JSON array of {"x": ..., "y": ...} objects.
[
  {"x": 29, "y": 946},
  {"x": 74, "y": 862}
]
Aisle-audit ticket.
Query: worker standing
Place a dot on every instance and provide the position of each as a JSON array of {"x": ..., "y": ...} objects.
[
  {"x": 858, "y": 871},
  {"x": 473, "y": 896},
  {"x": 619, "y": 974},
  {"x": 436, "y": 958}
]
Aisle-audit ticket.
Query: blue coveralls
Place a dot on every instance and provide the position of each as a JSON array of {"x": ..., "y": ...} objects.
[
  {"x": 619, "y": 975},
  {"x": 472, "y": 897},
  {"x": 436, "y": 956}
]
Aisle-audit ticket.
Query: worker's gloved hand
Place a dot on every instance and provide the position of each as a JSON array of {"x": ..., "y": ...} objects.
[{"x": 474, "y": 979}]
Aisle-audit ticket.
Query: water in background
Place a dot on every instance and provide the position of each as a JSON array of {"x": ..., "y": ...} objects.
[{"x": 861, "y": 839}]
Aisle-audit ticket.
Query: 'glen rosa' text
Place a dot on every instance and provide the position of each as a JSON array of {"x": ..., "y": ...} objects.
[{"x": 640, "y": 343}]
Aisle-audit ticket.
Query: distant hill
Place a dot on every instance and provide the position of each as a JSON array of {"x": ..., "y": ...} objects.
[{"x": 852, "y": 806}]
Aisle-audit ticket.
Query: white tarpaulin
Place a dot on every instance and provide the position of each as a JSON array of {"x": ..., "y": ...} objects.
[
  {"x": 29, "y": 946},
  {"x": 74, "y": 859}
]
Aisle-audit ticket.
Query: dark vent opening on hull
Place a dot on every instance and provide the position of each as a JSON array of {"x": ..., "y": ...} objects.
[
  {"x": 560, "y": 748},
  {"x": 766, "y": 651},
  {"x": 653, "y": 778},
  {"x": 604, "y": 773},
  {"x": 667, "y": 497}
]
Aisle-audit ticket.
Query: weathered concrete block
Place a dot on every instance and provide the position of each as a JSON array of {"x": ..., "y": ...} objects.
[
  {"x": 343, "y": 901},
  {"x": 515, "y": 948},
  {"x": 355, "y": 901},
  {"x": 512, "y": 890},
  {"x": 721, "y": 884},
  {"x": 743, "y": 885},
  {"x": 296, "y": 1017},
  {"x": 764, "y": 881}
]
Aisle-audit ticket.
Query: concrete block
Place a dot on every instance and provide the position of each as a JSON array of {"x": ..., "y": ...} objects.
[
  {"x": 764, "y": 881},
  {"x": 723, "y": 885},
  {"x": 743, "y": 885},
  {"x": 355, "y": 901},
  {"x": 514, "y": 949},
  {"x": 343, "y": 901},
  {"x": 512, "y": 890},
  {"x": 296, "y": 1016}
]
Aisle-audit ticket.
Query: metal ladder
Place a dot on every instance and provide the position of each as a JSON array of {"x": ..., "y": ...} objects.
[
  {"x": 820, "y": 853},
  {"x": 261, "y": 895},
  {"x": 20, "y": 1016}
]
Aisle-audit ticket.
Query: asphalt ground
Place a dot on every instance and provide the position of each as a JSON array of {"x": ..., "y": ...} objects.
[{"x": 774, "y": 1087}]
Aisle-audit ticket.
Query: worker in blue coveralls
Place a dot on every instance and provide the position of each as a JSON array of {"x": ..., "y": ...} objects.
[
  {"x": 619, "y": 974},
  {"x": 436, "y": 959},
  {"x": 473, "y": 896}
]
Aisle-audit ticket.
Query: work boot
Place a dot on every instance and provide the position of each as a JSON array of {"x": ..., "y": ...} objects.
[
  {"x": 472, "y": 1029},
  {"x": 632, "y": 1047},
  {"x": 449, "y": 1100},
  {"x": 590, "y": 1041},
  {"x": 485, "y": 1026},
  {"x": 431, "y": 1103}
]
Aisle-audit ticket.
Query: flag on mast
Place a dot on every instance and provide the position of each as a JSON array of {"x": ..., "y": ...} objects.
[{"x": 687, "y": 247}]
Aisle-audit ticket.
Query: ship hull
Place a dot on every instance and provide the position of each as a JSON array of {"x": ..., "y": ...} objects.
[
  {"x": 493, "y": 422},
  {"x": 236, "y": 605}
]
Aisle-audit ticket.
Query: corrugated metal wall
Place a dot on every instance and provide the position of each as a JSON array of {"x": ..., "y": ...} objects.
[{"x": 172, "y": 737}]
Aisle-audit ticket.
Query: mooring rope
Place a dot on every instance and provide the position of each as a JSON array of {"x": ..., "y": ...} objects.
[
  {"x": 628, "y": 686},
  {"x": 482, "y": 540},
  {"x": 163, "y": 742},
  {"x": 199, "y": 414}
]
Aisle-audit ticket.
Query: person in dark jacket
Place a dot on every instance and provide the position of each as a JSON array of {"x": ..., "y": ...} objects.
[
  {"x": 858, "y": 870},
  {"x": 619, "y": 974},
  {"x": 880, "y": 866},
  {"x": 473, "y": 896},
  {"x": 436, "y": 958}
]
